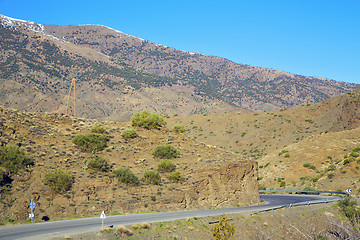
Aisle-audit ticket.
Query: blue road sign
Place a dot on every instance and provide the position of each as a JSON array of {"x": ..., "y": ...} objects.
[{"x": 32, "y": 204}]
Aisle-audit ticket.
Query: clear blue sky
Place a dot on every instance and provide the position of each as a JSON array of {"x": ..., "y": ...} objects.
[{"x": 308, "y": 37}]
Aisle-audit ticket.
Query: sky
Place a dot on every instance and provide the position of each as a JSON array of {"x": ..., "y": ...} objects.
[{"x": 318, "y": 38}]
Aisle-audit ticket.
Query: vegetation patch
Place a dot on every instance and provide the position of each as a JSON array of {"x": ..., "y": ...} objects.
[
  {"x": 98, "y": 163},
  {"x": 125, "y": 175},
  {"x": 151, "y": 177},
  {"x": 148, "y": 120},
  {"x": 58, "y": 180},
  {"x": 129, "y": 134},
  {"x": 166, "y": 165},
  {"x": 176, "y": 177},
  {"x": 166, "y": 152},
  {"x": 98, "y": 129},
  {"x": 179, "y": 128},
  {"x": 13, "y": 158},
  {"x": 91, "y": 142}
]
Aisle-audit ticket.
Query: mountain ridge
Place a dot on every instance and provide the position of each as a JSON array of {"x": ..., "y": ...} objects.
[{"x": 107, "y": 62}]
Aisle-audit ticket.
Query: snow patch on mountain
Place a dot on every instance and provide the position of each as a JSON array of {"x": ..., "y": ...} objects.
[{"x": 17, "y": 23}]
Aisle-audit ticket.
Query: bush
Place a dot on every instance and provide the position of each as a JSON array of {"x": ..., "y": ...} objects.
[
  {"x": 147, "y": 120},
  {"x": 176, "y": 177},
  {"x": 98, "y": 163},
  {"x": 98, "y": 129},
  {"x": 262, "y": 187},
  {"x": 348, "y": 160},
  {"x": 357, "y": 149},
  {"x": 354, "y": 154},
  {"x": 129, "y": 133},
  {"x": 13, "y": 158},
  {"x": 151, "y": 177},
  {"x": 4, "y": 178},
  {"x": 331, "y": 167},
  {"x": 91, "y": 142},
  {"x": 348, "y": 206},
  {"x": 179, "y": 128},
  {"x": 165, "y": 152},
  {"x": 58, "y": 180},
  {"x": 166, "y": 165},
  {"x": 309, "y": 165},
  {"x": 125, "y": 175},
  {"x": 282, "y": 184},
  {"x": 330, "y": 175},
  {"x": 223, "y": 230}
]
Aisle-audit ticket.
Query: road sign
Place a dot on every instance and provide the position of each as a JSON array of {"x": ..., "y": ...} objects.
[
  {"x": 32, "y": 204},
  {"x": 102, "y": 216},
  {"x": 31, "y": 215}
]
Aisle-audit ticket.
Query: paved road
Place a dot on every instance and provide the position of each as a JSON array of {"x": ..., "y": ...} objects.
[{"x": 48, "y": 230}]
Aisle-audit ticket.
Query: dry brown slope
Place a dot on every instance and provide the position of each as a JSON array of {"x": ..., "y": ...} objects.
[
  {"x": 321, "y": 162},
  {"x": 214, "y": 178},
  {"x": 256, "y": 134}
]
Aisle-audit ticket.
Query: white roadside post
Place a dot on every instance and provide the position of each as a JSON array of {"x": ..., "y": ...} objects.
[{"x": 102, "y": 216}]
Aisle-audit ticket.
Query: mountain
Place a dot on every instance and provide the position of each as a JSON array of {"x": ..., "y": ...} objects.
[{"x": 117, "y": 74}]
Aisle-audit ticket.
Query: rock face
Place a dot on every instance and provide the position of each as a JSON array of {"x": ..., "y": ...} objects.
[{"x": 227, "y": 186}]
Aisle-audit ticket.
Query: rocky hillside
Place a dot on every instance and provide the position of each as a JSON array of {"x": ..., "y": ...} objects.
[
  {"x": 210, "y": 177},
  {"x": 283, "y": 141},
  {"x": 118, "y": 74}
]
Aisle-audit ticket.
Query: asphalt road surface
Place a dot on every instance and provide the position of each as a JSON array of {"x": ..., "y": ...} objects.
[{"x": 48, "y": 230}]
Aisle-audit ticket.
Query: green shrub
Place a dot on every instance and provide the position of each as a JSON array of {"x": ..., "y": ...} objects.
[
  {"x": 354, "y": 154},
  {"x": 282, "y": 184},
  {"x": 98, "y": 163},
  {"x": 348, "y": 160},
  {"x": 262, "y": 187},
  {"x": 98, "y": 129},
  {"x": 4, "y": 178},
  {"x": 287, "y": 155},
  {"x": 166, "y": 152},
  {"x": 306, "y": 164},
  {"x": 91, "y": 142},
  {"x": 309, "y": 165},
  {"x": 58, "y": 180},
  {"x": 151, "y": 177},
  {"x": 331, "y": 167},
  {"x": 330, "y": 175},
  {"x": 316, "y": 178},
  {"x": 13, "y": 158},
  {"x": 125, "y": 175},
  {"x": 179, "y": 128},
  {"x": 148, "y": 120},
  {"x": 176, "y": 177},
  {"x": 357, "y": 149},
  {"x": 166, "y": 165},
  {"x": 129, "y": 133},
  {"x": 350, "y": 209}
]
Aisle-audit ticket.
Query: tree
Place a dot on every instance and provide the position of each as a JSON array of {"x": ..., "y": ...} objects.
[{"x": 223, "y": 230}]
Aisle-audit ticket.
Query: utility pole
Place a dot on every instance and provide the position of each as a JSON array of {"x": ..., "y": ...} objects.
[{"x": 67, "y": 106}]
